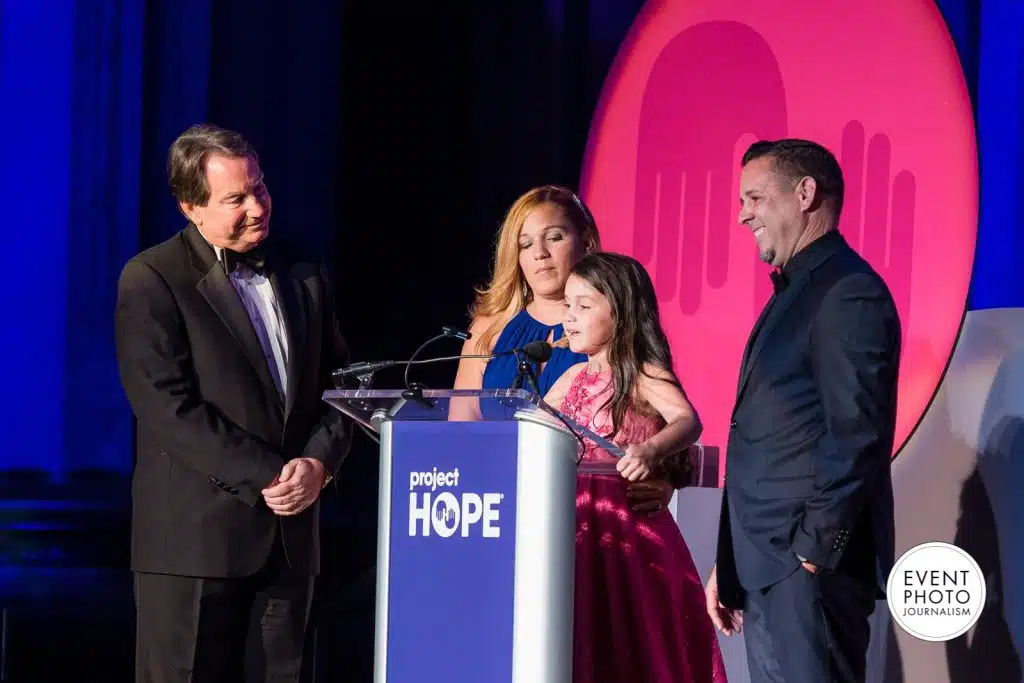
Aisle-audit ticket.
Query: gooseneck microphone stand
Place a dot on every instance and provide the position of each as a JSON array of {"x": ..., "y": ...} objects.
[{"x": 525, "y": 373}]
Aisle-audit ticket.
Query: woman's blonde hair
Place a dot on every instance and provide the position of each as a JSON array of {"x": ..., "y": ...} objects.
[{"x": 508, "y": 293}]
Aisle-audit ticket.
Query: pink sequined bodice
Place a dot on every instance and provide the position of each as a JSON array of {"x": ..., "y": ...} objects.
[{"x": 584, "y": 403}]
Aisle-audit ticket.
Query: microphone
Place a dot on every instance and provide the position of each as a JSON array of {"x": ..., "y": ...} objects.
[
  {"x": 540, "y": 352},
  {"x": 457, "y": 333},
  {"x": 537, "y": 351},
  {"x": 534, "y": 352},
  {"x": 362, "y": 368}
]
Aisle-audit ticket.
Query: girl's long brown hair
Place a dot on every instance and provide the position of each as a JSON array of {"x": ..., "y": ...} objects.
[
  {"x": 638, "y": 339},
  {"x": 507, "y": 293}
]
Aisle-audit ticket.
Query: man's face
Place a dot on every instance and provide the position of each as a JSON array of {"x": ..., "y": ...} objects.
[
  {"x": 237, "y": 215},
  {"x": 771, "y": 210}
]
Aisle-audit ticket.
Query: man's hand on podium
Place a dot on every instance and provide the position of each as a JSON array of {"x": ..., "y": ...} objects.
[{"x": 296, "y": 488}]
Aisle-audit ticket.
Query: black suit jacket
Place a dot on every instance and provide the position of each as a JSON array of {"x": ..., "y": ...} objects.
[
  {"x": 812, "y": 430},
  {"x": 212, "y": 428}
]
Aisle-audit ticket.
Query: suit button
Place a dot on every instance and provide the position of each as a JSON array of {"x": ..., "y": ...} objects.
[{"x": 732, "y": 425}]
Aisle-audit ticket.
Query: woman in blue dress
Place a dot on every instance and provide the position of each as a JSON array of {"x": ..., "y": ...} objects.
[{"x": 544, "y": 234}]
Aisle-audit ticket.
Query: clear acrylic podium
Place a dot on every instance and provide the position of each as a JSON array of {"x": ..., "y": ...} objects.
[{"x": 476, "y": 535}]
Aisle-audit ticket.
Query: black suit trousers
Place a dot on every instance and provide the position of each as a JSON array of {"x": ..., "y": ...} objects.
[
  {"x": 222, "y": 630},
  {"x": 809, "y": 628}
]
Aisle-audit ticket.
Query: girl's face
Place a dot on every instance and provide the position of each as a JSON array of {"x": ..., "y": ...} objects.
[{"x": 588, "y": 317}]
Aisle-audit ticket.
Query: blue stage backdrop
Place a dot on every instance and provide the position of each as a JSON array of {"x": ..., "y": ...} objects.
[
  {"x": 70, "y": 75},
  {"x": 94, "y": 93},
  {"x": 997, "y": 280}
]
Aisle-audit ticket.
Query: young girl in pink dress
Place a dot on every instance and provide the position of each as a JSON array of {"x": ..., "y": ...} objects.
[{"x": 639, "y": 606}]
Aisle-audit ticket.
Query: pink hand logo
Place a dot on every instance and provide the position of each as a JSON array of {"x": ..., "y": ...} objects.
[
  {"x": 685, "y": 204},
  {"x": 696, "y": 81},
  {"x": 882, "y": 236}
]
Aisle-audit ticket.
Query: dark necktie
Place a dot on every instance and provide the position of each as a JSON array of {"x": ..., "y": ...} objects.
[{"x": 252, "y": 259}]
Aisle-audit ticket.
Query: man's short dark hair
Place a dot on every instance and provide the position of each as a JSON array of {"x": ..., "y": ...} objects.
[
  {"x": 794, "y": 159},
  {"x": 186, "y": 160}
]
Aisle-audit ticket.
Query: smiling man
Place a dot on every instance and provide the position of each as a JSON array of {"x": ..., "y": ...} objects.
[
  {"x": 806, "y": 534},
  {"x": 224, "y": 350}
]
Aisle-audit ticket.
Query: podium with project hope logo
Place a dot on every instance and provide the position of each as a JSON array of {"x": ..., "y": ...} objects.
[{"x": 476, "y": 534}]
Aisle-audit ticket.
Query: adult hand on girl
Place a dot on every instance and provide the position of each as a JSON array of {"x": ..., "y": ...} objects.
[
  {"x": 635, "y": 465},
  {"x": 650, "y": 495}
]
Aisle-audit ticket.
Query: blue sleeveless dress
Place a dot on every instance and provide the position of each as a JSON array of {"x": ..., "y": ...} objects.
[{"x": 521, "y": 330}]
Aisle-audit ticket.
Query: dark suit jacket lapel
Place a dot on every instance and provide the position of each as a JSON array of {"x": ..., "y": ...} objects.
[
  {"x": 288, "y": 291},
  {"x": 778, "y": 310},
  {"x": 754, "y": 335},
  {"x": 783, "y": 302},
  {"x": 215, "y": 286}
]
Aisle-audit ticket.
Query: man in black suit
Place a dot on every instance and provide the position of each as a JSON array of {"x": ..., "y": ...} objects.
[
  {"x": 805, "y": 543},
  {"x": 223, "y": 351}
]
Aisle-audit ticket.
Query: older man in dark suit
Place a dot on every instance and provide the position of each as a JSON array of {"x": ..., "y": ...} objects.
[
  {"x": 806, "y": 537},
  {"x": 224, "y": 348}
]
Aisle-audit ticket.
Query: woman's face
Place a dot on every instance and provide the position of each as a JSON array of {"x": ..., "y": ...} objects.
[{"x": 549, "y": 247}]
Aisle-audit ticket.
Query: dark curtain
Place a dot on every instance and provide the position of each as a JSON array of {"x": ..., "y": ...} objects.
[{"x": 449, "y": 113}]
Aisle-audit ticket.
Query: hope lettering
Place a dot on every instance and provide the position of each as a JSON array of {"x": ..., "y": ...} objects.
[{"x": 447, "y": 513}]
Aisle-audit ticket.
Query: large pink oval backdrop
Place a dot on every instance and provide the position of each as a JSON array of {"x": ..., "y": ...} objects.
[{"x": 877, "y": 81}]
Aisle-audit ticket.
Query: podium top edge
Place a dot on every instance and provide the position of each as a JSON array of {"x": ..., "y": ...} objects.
[{"x": 435, "y": 393}]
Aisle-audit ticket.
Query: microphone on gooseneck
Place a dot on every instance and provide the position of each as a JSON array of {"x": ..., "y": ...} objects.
[
  {"x": 362, "y": 368},
  {"x": 535, "y": 351},
  {"x": 540, "y": 352},
  {"x": 457, "y": 333},
  {"x": 367, "y": 368}
]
